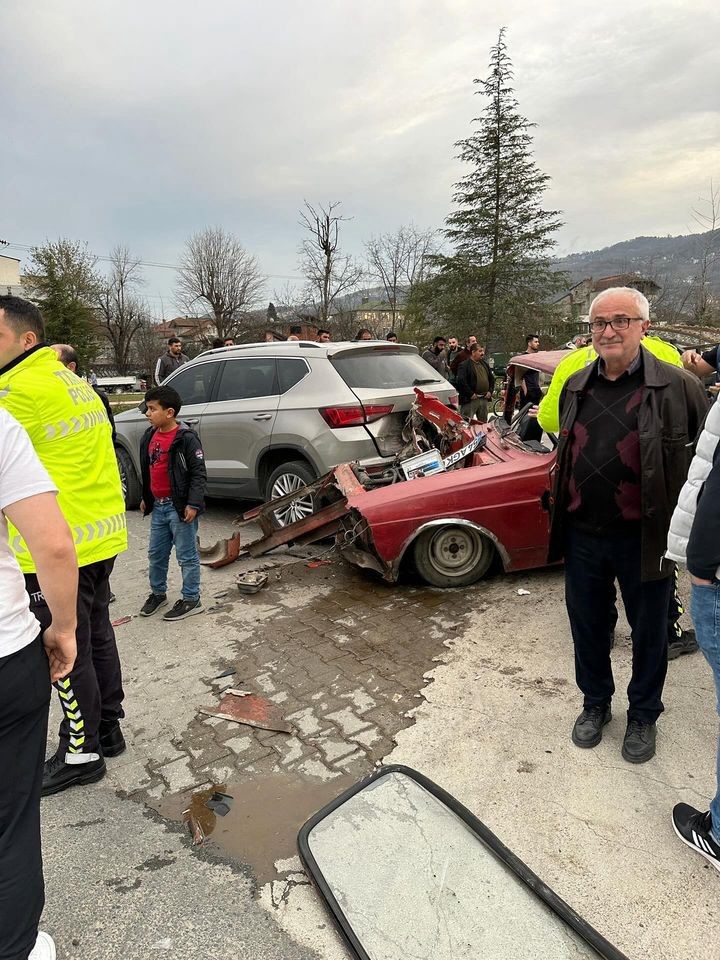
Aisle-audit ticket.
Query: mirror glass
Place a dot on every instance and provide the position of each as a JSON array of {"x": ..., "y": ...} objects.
[{"x": 414, "y": 881}]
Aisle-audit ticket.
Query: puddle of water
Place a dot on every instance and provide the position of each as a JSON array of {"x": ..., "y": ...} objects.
[{"x": 262, "y": 823}]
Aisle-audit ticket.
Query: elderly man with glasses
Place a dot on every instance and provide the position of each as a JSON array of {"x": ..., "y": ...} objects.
[{"x": 627, "y": 422}]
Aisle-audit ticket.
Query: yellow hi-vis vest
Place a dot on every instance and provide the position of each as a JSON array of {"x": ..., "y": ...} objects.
[
  {"x": 549, "y": 409},
  {"x": 71, "y": 434}
]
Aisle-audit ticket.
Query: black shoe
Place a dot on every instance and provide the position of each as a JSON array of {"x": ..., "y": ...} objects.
[
  {"x": 588, "y": 729},
  {"x": 58, "y": 775},
  {"x": 183, "y": 609},
  {"x": 112, "y": 741},
  {"x": 685, "y": 643},
  {"x": 113, "y": 598},
  {"x": 695, "y": 829},
  {"x": 639, "y": 743},
  {"x": 153, "y": 603}
]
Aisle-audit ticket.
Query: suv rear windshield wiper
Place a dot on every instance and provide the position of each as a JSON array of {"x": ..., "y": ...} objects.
[{"x": 419, "y": 383}]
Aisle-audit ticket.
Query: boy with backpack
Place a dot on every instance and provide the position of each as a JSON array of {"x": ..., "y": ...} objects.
[{"x": 174, "y": 481}]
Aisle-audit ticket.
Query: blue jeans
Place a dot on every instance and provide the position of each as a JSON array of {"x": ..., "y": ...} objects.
[
  {"x": 705, "y": 610},
  {"x": 167, "y": 529}
]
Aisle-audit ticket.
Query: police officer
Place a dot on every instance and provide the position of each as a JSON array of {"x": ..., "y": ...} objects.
[{"x": 71, "y": 435}]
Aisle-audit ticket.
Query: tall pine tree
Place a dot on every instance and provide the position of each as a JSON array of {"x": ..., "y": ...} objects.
[{"x": 501, "y": 235}]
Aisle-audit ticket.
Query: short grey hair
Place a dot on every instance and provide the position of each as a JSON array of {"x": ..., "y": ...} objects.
[{"x": 641, "y": 301}]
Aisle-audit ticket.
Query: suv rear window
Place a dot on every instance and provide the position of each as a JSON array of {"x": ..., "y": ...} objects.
[{"x": 385, "y": 370}]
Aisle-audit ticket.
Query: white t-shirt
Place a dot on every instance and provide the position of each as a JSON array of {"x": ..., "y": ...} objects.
[{"x": 21, "y": 476}]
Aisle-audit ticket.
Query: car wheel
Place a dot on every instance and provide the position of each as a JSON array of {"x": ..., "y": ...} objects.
[
  {"x": 452, "y": 556},
  {"x": 129, "y": 480},
  {"x": 285, "y": 479}
]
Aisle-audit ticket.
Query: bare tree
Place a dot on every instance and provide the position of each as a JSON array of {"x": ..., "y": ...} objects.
[
  {"x": 121, "y": 309},
  {"x": 217, "y": 272},
  {"x": 147, "y": 345},
  {"x": 398, "y": 261},
  {"x": 707, "y": 217},
  {"x": 329, "y": 273}
]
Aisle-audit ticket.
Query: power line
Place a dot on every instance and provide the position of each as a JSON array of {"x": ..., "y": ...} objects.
[{"x": 144, "y": 263}]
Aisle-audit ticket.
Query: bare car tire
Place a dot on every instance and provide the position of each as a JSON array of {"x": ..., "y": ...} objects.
[
  {"x": 452, "y": 555},
  {"x": 129, "y": 479},
  {"x": 285, "y": 479}
]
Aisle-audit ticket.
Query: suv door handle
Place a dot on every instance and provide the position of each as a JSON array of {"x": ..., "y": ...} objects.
[
  {"x": 263, "y": 416},
  {"x": 191, "y": 422}
]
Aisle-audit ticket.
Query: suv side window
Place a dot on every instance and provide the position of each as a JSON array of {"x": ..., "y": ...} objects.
[
  {"x": 194, "y": 382},
  {"x": 290, "y": 372},
  {"x": 245, "y": 379}
]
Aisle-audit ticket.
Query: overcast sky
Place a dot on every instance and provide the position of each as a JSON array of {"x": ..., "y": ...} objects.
[{"x": 143, "y": 121}]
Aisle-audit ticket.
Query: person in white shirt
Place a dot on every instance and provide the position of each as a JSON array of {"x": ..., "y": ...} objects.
[{"x": 29, "y": 661}]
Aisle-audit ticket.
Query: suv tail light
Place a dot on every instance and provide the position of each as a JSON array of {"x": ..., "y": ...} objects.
[
  {"x": 354, "y": 416},
  {"x": 453, "y": 400}
]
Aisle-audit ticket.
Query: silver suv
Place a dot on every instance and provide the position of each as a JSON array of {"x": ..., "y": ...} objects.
[{"x": 273, "y": 417}]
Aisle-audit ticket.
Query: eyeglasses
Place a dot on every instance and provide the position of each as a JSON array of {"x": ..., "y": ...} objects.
[{"x": 617, "y": 323}]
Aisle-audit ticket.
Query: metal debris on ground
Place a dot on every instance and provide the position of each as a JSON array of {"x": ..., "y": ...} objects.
[
  {"x": 241, "y": 706},
  {"x": 219, "y": 803},
  {"x": 226, "y": 673},
  {"x": 219, "y": 596},
  {"x": 119, "y": 622},
  {"x": 523, "y": 593},
  {"x": 221, "y": 553},
  {"x": 318, "y": 563},
  {"x": 218, "y": 607},
  {"x": 251, "y": 582}
]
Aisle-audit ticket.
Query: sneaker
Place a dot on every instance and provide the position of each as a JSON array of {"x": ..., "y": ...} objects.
[
  {"x": 695, "y": 830},
  {"x": 44, "y": 948},
  {"x": 685, "y": 643},
  {"x": 183, "y": 609},
  {"x": 639, "y": 743},
  {"x": 153, "y": 603},
  {"x": 588, "y": 729},
  {"x": 58, "y": 775},
  {"x": 112, "y": 741}
]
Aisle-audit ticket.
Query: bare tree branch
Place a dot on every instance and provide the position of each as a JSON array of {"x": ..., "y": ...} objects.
[
  {"x": 219, "y": 274},
  {"x": 398, "y": 261},
  {"x": 329, "y": 273},
  {"x": 121, "y": 309}
]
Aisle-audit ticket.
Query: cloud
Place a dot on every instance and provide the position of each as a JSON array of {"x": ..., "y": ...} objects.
[{"x": 143, "y": 122}]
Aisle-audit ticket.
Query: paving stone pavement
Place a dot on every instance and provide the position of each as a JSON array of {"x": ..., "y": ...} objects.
[{"x": 342, "y": 655}]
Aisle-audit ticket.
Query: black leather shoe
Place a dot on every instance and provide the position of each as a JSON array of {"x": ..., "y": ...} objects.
[
  {"x": 112, "y": 741},
  {"x": 639, "y": 743},
  {"x": 685, "y": 643},
  {"x": 58, "y": 775},
  {"x": 588, "y": 729}
]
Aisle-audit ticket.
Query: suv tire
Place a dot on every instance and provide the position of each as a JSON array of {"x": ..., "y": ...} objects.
[
  {"x": 285, "y": 479},
  {"x": 129, "y": 479}
]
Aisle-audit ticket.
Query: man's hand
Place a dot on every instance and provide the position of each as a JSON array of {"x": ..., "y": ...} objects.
[
  {"x": 474, "y": 397},
  {"x": 694, "y": 362},
  {"x": 488, "y": 396},
  {"x": 533, "y": 411},
  {"x": 190, "y": 514},
  {"x": 690, "y": 359},
  {"x": 61, "y": 649},
  {"x": 701, "y": 583},
  {"x": 142, "y": 507}
]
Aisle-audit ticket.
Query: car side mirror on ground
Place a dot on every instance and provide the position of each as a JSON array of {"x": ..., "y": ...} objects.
[{"x": 408, "y": 871}]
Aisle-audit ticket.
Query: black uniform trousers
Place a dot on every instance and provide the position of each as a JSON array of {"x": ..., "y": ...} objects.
[
  {"x": 93, "y": 692},
  {"x": 24, "y": 706},
  {"x": 592, "y": 564}
]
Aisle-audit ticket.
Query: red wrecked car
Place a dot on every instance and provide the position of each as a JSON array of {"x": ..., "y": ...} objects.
[{"x": 479, "y": 493}]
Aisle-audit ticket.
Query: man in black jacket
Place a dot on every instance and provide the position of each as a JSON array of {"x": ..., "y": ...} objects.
[
  {"x": 475, "y": 383},
  {"x": 174, "y": 481},
  {"x": 626, "y": 425},
  {"x": 170, "y": 361}
]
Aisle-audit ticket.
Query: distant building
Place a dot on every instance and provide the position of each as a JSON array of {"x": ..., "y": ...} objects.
[
  {"x": 376, "y": 315},
  {"x": 574, "y": 303},
  {"x": 10, "y": 280}
]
